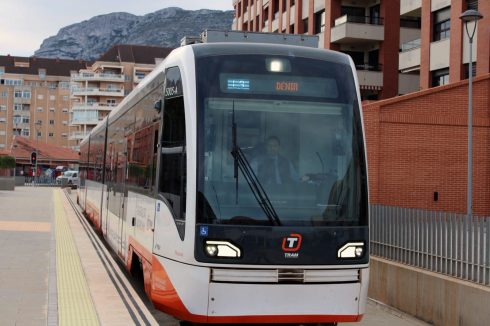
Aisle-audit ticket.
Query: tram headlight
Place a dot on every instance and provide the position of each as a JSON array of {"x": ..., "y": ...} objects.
[
  {"x": 351, "y": 250},
  {"x": 211, "y": 250},
  {"x": 221, "y": 249}
]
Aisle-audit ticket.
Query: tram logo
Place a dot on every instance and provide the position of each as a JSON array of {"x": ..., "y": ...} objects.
[{"x": 291, "y": 243}]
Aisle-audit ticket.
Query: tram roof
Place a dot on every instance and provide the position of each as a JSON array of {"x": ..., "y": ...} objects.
[{"x": 229, "y": 48}]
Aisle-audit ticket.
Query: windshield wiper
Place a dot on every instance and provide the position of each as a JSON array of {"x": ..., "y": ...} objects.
[{"x": 241, "y": 162}]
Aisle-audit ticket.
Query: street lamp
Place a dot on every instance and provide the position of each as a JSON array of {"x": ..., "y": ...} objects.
[{"x": 467, "y": 17}]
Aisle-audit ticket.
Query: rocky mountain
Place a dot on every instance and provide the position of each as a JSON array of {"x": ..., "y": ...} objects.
[{"x": 89, "y": 39}]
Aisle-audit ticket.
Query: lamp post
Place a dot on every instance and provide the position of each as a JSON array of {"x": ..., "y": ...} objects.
[{"x": 467, "y": 17}]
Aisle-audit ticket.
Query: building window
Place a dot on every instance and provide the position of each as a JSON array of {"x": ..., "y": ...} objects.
[
  {"x": 2, "y": 145},
  {"x": 140, "y": 74},
  {"x": 51, "y": 134},
  {"x": 26, "y": 132},
  {"x": 320, "y": 22},
  {"x": 65, "y": 98},
  {"x": 52, "y": 97},
  {"x": 3, "y": 108},
  {"x": 40, "y": 96},
  {"x": 39, "y": 121},
  {"x": 42, "y": 73},
  {"x": 440, "y": 77},
  {"x": 472, "y": 4},
  {"x": 3, "y": 120},
  {"x": 111, "y": 102},
  {"x": 65, "y": 122},
  {"x": 26, "y": 120},
  {"x": 265, "y": 17},
  {"x": 65, "y": 110},
  {"x": 11, "y": 82},
  {"x": 64, "y": 135},
  {"x": 305, "y": 26},
  {"x": 17, "y": 107},
  {"x": 51, "y": 109},
  {"x": 39, "y": 134},
  {"x": 26, "y": 94},
  {"x": 51, "y": 122},
  {"x": 442, "y": 24},
  {"x": 64, "y": 85},
  {"x": 39, "y": 109},
  {"x": 5, "y": 94},
  {"x": 17, "y": 94},
  {"x": 467, "y": 70},
  {"x": 2, "y": 70},
  {"x": 52, "y": 85},
  {"x": 276, "y": 8}
]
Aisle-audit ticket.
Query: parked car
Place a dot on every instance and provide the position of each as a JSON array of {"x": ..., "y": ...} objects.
[{"x": 69, "y": 178}]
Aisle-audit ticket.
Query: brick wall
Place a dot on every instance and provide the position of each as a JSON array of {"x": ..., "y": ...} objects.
[{"x": 417, "y": 145}]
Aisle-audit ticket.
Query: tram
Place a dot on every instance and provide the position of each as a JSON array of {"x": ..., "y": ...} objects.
[{"x": 235, "y": 177}]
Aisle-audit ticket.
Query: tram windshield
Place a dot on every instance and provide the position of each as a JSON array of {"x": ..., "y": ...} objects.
[{"x": 280, "y": 143}]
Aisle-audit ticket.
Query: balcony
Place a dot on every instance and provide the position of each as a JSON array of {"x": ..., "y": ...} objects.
[
  {"x": 409, "y": 57},
  {"x": 90, "y": 117},
  {"x": 98, "y": 92},
  {"x": 439, "y": 54},
  {"x": 81, "y": 122},
  {"x": 93, "y": 106},
  {"x": 77, "y": 135},
  {"x": 22, "y": 100},
  {"x": 408, "y": 83},
  {"x": 410, "y": 7},
  {"x": 85, "y": 76},
  {"x": 357, "y": 29},
  {"x": 370, "y": 77}
]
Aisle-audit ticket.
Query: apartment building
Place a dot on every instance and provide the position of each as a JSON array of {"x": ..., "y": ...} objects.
[
  {"x": 35, "y": 99},
  {"x": 96, "y": 90},
  {"x": 398, "y": 47}
]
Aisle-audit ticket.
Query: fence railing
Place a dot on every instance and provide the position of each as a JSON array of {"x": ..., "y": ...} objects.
[
  {"x": 40, "y": 181},
  {"x": 442, "y": 242}
]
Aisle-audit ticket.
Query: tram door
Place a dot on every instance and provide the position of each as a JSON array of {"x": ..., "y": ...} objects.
[
  {"x": 123, "y": 219},
  {"x": 116, "y": 189}
]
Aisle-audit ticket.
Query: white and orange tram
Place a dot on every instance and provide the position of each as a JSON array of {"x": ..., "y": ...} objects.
[{"x": 235, "y": 177}]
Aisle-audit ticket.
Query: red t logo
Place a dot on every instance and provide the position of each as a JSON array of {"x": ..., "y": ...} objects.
[{"x": 291, "y": 243}]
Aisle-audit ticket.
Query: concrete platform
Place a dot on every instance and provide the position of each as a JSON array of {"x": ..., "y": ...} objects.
[{"x": 44, "y": 280}]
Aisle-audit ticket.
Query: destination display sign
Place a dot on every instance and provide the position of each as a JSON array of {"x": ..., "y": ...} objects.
[{"x": 278, "y": 85}]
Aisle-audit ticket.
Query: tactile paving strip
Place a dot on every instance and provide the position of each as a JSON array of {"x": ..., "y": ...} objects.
[{"x": 75, "y": 305}]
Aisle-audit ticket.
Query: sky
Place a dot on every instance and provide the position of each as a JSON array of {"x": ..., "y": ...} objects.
[{"x": 26, "y": 23}]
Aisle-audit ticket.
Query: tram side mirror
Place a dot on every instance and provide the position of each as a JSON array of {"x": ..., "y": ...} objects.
[{"x": 158, "y": 105}]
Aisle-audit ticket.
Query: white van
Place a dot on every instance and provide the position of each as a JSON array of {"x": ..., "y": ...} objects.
[{"x": 69, "y": 178}]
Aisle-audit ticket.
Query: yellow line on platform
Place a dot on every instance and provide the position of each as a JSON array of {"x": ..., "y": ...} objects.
[{"x": 75, "y": 305}]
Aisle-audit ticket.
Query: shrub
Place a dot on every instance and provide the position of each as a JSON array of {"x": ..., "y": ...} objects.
[{"x": 7, "y": 162}]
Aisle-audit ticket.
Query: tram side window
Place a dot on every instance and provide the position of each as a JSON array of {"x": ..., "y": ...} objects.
[{"x": 173, "y": 157}]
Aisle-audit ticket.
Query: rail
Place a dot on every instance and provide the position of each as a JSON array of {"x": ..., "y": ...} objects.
[{"x": 442, "y": 242}]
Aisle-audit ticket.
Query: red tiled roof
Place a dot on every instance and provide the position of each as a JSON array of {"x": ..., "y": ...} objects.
[
  {"x": 23, "y": 147},
  {"x": 31, "y": 65}
]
